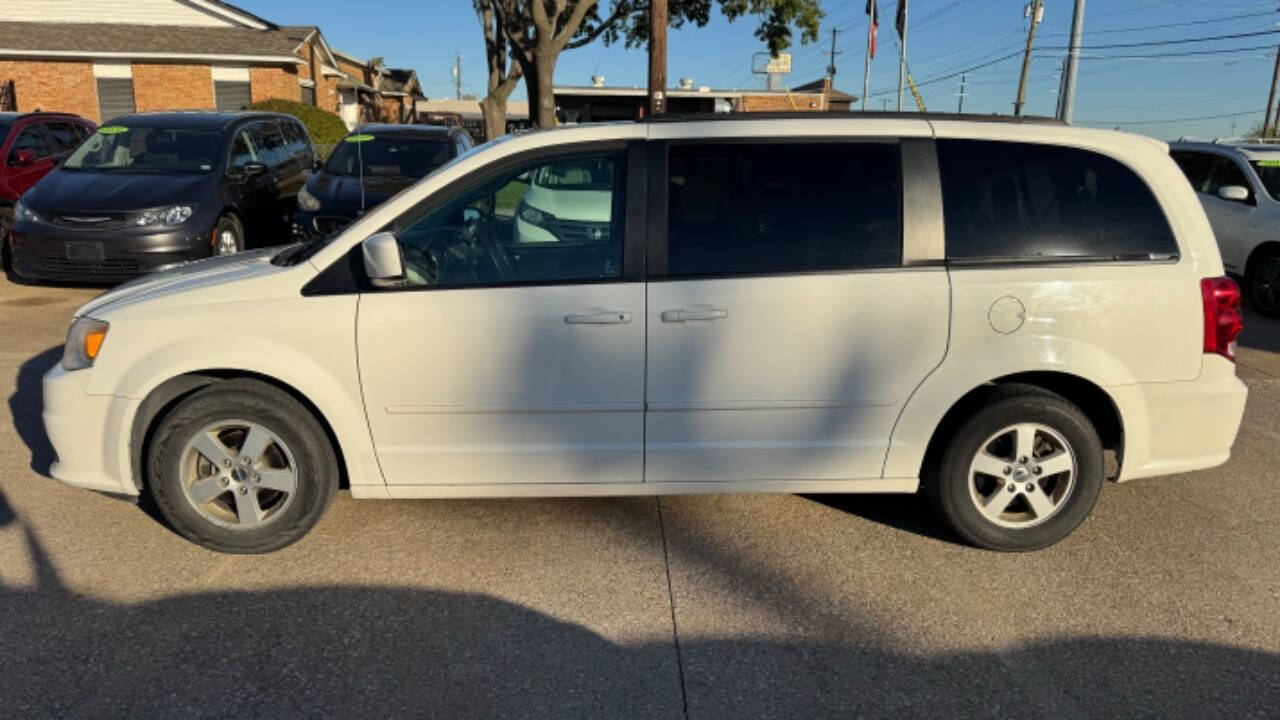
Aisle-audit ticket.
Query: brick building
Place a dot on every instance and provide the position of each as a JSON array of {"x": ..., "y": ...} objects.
[{"x": 103, "y": 58}]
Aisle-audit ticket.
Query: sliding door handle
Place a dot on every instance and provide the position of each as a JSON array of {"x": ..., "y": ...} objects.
[
  {"x": 603, "y": 317},
  {"x": 694, "y": 314}
]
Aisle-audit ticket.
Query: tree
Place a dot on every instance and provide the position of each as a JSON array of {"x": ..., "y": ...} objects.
[
  {"x": 504, "y": 74},
  {"x": 537, "y": 31}
]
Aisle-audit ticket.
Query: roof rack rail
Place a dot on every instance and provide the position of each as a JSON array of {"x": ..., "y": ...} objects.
[{"x": 852, "y": 115}]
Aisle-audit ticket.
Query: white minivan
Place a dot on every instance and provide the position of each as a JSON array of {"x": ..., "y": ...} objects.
[{"x": 980, "y": 309}]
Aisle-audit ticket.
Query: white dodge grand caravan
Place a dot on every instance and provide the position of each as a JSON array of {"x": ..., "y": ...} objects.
[{"x": 978, "y": 309}]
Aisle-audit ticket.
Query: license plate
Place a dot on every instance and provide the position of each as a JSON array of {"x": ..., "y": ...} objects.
[{"x": 84, "y": 251}]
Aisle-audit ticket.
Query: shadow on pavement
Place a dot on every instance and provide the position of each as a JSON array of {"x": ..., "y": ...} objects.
[
  {"x": 909, "y": 512},
  {"x": 362, "y": 651},
  {"x": 1260, "y": 332},
  {"x": 26, "y": 403}
]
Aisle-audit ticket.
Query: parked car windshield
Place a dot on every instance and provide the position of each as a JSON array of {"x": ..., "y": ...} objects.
[
  {"x": 389, "y": 155},
  {"x": 116, "y": 148},
  {"x": 1269, "y": 173}
]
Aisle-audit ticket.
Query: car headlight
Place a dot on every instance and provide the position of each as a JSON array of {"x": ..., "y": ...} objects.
[
  {"x": 22, "y": 213},
  {"x": 169, "y": 215},
  {"x": 84, "y": 342},
  {"x": 307, "y": 201},
  {"x": 530, "y": 214}
]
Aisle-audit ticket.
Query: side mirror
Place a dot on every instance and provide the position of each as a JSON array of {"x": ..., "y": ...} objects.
[
  {"x": 1235, "y": 193},
  {"x": 23, "y": 157},
  {"x": 253, "y": 169},
  {"x": 382, "y": 262}
]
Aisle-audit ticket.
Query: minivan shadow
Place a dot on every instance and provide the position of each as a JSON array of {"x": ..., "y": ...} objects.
[
  {"x": 26, "y": 403},
  {"x": 906, "y": 512}
]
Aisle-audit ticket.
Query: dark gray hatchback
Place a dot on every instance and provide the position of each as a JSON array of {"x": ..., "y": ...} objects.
[{"x": 153, "y": 190}]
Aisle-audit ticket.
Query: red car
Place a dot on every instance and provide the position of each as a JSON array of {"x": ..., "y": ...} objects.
[{"x": 31, "y": 145}]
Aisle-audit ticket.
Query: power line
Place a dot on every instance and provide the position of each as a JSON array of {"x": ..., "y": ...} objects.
[
  {"x": 1167, "y": 121},
  {"x": 1138, "y": 28}
]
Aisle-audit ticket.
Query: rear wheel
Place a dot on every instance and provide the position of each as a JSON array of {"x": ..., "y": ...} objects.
[
  {"x": 228, "y": 236},
  {"x": 1263, "y": 281},
  {"x": 241, "y": 467},
  {"x": 6, "y": 224},
  {"x": 1021, "y": 473}
]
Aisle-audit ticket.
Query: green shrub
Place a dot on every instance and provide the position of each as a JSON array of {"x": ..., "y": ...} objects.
[{"x": 325, "y": 128}]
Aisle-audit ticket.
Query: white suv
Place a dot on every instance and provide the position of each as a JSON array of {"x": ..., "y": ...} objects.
[
  {"x": 1239, "y": 186},
  {"x": 979, "y": 309}
]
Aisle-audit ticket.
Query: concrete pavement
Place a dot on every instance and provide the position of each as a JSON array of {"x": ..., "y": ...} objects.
[{"x": 1166, "y": 603}]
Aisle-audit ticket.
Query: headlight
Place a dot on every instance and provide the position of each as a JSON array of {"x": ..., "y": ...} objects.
[
  {"x": 171, "y": 215},
  {"x": 84, "y": 342},
  {"x": 307, "y": 201},
  {"x": 530, "y": 214},
  {"x": 22, "y": 213}
]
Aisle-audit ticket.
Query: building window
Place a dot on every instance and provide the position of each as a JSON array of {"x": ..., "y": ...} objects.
[
  {"x": 231, "y": 89},
  {"x": 308, "y": 95},
  {"x": 115, "y": 89}
]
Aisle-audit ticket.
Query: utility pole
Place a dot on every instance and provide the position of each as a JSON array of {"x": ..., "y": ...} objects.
[
  {"x": 1271, "y": 98},
  {"x": 657, "y": 57},
  {"x": 960, "y": 105},
  {"x": 1035, "y": 12},
  {"x": 1068, "y": 99},
  {"x": 871, "y": 34},
  {"x": 902, "y": 60},
  {"x": 457, "y": 75},
  {"x": 831, "y": 69}
]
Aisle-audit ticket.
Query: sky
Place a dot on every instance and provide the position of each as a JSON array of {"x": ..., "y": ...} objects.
[{"x": 1165, "y": 96}]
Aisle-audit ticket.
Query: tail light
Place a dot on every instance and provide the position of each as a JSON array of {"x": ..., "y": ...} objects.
[{"x": 1222, "y": 319}]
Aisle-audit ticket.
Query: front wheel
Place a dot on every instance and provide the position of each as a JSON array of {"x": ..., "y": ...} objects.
[
  {"x": 228, "y": 236},
  {"x": 1262, "y": 281},
  {"x": 241, "y": 467},
  {"x": 1021, "y": 473}
]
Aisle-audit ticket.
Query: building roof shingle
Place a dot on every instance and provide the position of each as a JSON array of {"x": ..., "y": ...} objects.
[{"x": 19, "y": 38}]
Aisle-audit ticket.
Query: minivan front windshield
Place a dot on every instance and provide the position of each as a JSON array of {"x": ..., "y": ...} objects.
[
  {"x": 1269, "y": 173},
  {"x": 118, "y": 148},
  {"x": 389, "y": 155}
]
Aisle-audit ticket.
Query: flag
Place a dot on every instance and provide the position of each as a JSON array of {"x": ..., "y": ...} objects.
[
  {"x": 874, "y": 12},
  {"x": 902, "y": 18}
]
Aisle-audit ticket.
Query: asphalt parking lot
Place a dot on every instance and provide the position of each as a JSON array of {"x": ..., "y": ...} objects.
[{"x": 1166, "y": 603}]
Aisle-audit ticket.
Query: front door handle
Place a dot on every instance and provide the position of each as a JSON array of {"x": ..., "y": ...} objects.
[
  {"x": 692, "y": 314},
  {"x": 603, "y": 317}
]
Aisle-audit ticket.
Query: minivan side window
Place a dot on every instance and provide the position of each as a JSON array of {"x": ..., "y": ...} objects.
[
  {"x": 270, "y": 143},
  {"x": 1195, "y": 165},
  {"x": 1224, "y": 172},
  {"x": 296, "y": 138},
  {"x": 554, "y": 220},
  {"x": 757, "y": 208},
  {"x": 1022, "y": 201},
  {"x": 243, "y": 150},
  {"x": 33, "y": 139}
]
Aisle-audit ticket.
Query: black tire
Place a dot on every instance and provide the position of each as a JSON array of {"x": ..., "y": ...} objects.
[
  {"x": 227, "y": 224},
  {"x": 253, "y": 401},
  {"x": 1262, "y": 281},
  {"x": 947, "y": 484},
  {"x": 6, "y": 224}
]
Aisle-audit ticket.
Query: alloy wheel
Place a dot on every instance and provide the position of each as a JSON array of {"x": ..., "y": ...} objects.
[
  {"x": 1022, "y": 475},
  {"x": 238, "y": 474},
  {"x": 227, "y": 243},
  {"x": 1266, "y": 283}
]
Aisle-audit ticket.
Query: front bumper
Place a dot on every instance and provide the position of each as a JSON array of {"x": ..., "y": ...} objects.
[
  {"x": 48, "y": 252},
  {"x": 88, "y": 433}
]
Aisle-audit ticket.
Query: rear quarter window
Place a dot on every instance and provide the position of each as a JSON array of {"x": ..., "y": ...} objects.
[{"x": 1007, "y": 201}]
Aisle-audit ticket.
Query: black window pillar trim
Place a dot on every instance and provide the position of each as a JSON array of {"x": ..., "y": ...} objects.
[
  {"x": 923, "y": 229},
  {"x": 656, "y": 235},
  {"x": 636, "y": 209}
]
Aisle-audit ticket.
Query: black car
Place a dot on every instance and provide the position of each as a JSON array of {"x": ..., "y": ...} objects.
[
  {"x": 152, "y": 190},
  {"x": 371, "y": 164}
]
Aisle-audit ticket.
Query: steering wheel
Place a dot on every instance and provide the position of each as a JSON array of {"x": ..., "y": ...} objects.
[{"x": 481, "y": 229}]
